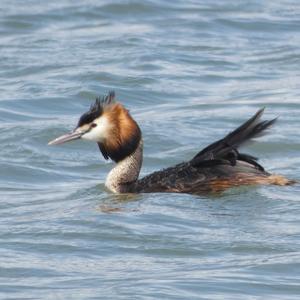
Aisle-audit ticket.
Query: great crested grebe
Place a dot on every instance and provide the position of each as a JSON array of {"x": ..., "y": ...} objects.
[{"x": 213, "y": 169}]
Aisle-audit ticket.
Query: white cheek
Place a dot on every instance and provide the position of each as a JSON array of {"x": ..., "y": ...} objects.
[{"x": 100, "y": 132}]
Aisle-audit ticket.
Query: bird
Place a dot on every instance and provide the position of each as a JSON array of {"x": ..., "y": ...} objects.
[{"x": 214, "y": 169}]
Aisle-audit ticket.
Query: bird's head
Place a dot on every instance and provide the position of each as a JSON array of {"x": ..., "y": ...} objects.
[{"x": 110, "y": 125}]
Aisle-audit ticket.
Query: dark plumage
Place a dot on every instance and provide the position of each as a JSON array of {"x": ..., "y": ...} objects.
[
  {"x": 96, "y": 109},
  {"x": 216, "y": 167},
  {"x": 227, "y": 147}
]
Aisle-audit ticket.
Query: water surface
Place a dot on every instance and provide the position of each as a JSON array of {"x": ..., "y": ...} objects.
[{"x": 189, "y": 71}]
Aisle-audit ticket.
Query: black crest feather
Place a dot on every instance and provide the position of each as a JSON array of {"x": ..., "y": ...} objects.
[{"x": 96, "y": 109}]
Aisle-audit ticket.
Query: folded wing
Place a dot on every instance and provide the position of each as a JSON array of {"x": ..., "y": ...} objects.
[{"x": 226, "y": 149}]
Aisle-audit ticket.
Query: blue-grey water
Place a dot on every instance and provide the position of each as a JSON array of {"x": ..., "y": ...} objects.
[{"x": 189, "y": 71}]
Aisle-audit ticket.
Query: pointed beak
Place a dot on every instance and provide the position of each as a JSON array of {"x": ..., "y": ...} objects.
[{"x": 74, "y": 135}]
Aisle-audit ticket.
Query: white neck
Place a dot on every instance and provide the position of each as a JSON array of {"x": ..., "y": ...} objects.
[{"x": 123, "y": 176}]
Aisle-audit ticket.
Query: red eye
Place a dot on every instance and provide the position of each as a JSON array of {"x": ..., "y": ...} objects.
[{"x": 93, "y": 125}]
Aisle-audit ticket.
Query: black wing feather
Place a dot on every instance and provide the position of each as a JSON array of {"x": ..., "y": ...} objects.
[{"x": 227, "y": 148}]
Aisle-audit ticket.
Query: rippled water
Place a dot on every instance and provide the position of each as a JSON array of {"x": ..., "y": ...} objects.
[{"x": 189, "y": 71}]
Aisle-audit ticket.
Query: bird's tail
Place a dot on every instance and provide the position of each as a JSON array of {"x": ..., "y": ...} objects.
[{"x": 280, "y": 180}]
